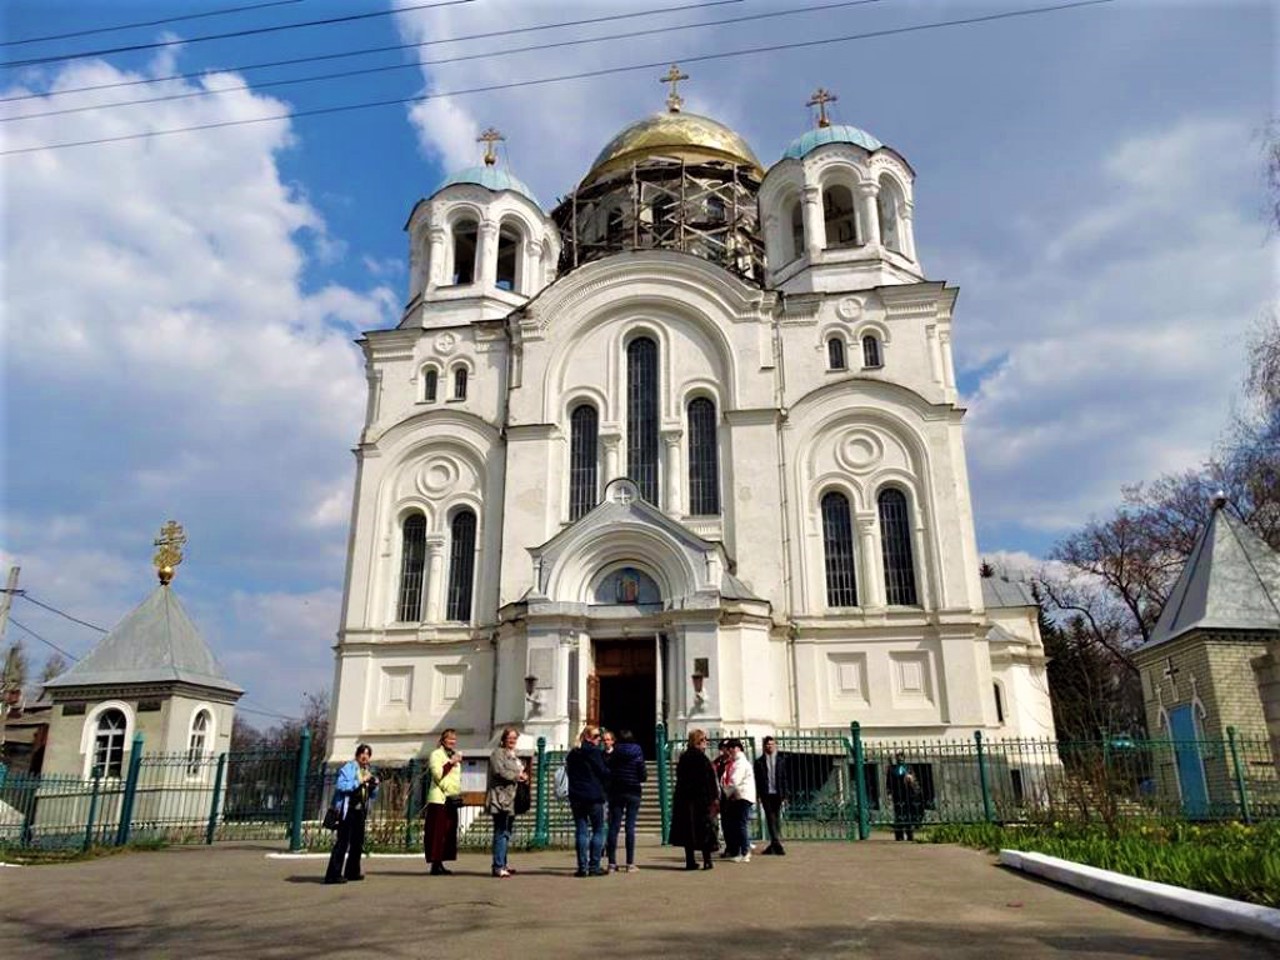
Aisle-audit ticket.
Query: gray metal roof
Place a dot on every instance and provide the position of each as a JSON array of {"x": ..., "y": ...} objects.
[
  {"x": 156, "y": 643},
  {"x": 999, "y": 592},
  {"x": 1231, "y": 581}
]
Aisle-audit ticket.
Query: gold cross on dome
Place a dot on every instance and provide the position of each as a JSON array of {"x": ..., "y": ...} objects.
[
  {"x": 820, "y": 99},
  {"x": 673, "y": 77},
  {"x": 170, "y": 542},
  {"x": 489, "y": 138}
]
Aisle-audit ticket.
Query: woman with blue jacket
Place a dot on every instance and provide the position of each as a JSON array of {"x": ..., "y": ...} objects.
[
  {"x": 357, "y": 786},
  {"x": 626, "y": 774}
]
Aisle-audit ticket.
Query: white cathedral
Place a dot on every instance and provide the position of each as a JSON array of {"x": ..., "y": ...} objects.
[{"x": 686, "y": 449}]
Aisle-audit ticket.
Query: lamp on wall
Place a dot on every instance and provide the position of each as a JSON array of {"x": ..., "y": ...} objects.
[{"x": 531, "y": 695}]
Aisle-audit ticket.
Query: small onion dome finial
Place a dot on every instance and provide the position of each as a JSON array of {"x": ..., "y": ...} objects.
[
  {"x": 489, "y": 138},
  {"x": 673, "y": 77},
  {"x": 171, "y": 541},
  {"x": 1218, "y": 500},
  {"x": 820, "y": 99}
]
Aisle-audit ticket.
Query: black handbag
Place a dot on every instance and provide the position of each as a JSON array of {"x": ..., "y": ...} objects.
[
  {"x": 524, "y": 798},
  {"x": 332, "y": 818}
]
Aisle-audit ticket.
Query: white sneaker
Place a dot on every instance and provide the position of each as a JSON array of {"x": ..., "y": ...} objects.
[
  {"x": 740, "y": 858},
  {"x": 746, "y": 858}
]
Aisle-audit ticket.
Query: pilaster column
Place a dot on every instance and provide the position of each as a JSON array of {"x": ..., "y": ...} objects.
[
  {"x": 908, "y": 229},
  {"x": 434, "y": 586},
  {"x": 673, "y": 476},
  {"x": 814, "y": 230},
  {"x": 869, "y": 212},
  {"x": 612, "y": 443},
  {"x": 436, "y": 258},
  {"x": 870, "y": 573},
  {"x": 487, "y": 254},
  {"x": 530, "y": 280},
  {"x": 948, "y": 368}
]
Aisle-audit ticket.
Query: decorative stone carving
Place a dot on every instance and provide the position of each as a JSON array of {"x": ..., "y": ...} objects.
[
  {"x": 445, "y": 343},
  {"x": 437, "y": 477},
  {"x": 850, "y": 308},
  {"x": 860, "y": 451}
]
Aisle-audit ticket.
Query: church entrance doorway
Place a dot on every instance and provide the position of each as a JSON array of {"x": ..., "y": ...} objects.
[{"x": 622, "y": 693}]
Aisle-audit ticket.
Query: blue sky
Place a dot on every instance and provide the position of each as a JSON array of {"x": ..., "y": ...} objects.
[{"x": 179, "y": 311}]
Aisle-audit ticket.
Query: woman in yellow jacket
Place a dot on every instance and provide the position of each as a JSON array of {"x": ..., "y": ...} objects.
[{"x": 440, "y": 835}]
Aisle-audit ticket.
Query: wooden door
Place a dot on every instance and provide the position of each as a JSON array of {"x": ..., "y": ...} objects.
[{"x": 593, "y": 700}]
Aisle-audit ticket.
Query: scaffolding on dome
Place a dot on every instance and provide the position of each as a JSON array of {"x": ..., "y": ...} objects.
[{"x": 705, "y": 208}]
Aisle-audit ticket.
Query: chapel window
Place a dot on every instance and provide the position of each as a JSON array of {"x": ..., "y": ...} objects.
[
  {"x": 462, "y": 561},
  {"x": 999, "y": 703},
  {"x": 796, "y": 219},
  {"x": 889, "y": 205},
  {"x": 704, "y": 467},
  {"x": 460, "y": 383},
  {"x": 895, "y": 543},
  {"x": 642, "y": 416},
  {"x": 837, "y": 545},
  {"x": 839, "y": 217},
  {"x": 108, "y": 743},
  {"x": 430, "y": 386},
  {"x": 835, "y": 354},
  {"x": 871, "y": 351},
  {"x": 413, "y": 556},
  {"x": 509, "y": 244},
  {"x": 584, "y": 425},
  {"x": 197, "y": 742},
  {"x": 465, "y": 243},
  {"x": 715, "y": 209}
]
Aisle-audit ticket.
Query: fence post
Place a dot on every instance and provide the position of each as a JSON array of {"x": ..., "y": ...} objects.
[
  {"x": 217, "y": 798},
  {"x": 988, "y": 810},
  {"x": 130, "y": 791},
  {"x": 1239, "y": 775},
  {"x": 409, "y": 812},
  {"x": 300, "y": 790},
  {"x": 664, "y": 799},
  {"x": 541, "y": 824},
  {"x": 860, "y": 780},
  {"x": 93, "y": 808}
]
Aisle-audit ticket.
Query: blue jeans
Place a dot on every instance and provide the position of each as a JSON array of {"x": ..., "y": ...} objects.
[
  {"x": 502, "y": 824},
  {"x": 588, "y": 823},
  {"x": 741, "y": 816},
  {"x": 620, "y": 807}
]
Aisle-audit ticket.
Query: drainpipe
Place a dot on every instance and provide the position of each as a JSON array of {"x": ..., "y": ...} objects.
[{"x": 780, "y": 391}]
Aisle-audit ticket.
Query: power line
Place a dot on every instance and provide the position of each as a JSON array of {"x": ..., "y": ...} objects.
[
  {"x": 262, "y": 711},
  {"x": 84, "y": 623},
  {"x": 50, "y": 643},
  {"x": 588, "y": 74},
  {"x": 147, "y": 23},
  {"x": 315, "y": 58},
  {"x": 651, "y": 31},
  {"x": 133, "y": 47}
]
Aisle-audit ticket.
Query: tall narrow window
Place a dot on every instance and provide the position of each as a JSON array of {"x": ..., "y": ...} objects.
[
  {"x": 839, "y": 217},
  {"x": 871, "y": 352},
  {"x": 430, "y": 386},
  {"x": 464, "y": 252},
  {"x": 508, "y": 258},
  {"x": 999, "y": 703},
  {"x": 797, "y": 230},
  {"x": 413, "y": 556},
  {"x": 462, "y": 562},
  {"x": 837, "y": 545},
  {"x": 108, "y": 744},
  {"x": 889, "y": 206},
  {"x": 835, "y": 354},
  {"x": 460, "y": 383},
  {"x": 197, "y": 742},
  {"x": 642, "y": 416},
  {"x": 704, "y": 467},
  {"x": 584, "y": 426},
  {"x": 895, "y": 544}
]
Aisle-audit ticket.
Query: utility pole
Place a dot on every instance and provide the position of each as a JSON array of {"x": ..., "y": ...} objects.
[{"x": 8, "y": 683}]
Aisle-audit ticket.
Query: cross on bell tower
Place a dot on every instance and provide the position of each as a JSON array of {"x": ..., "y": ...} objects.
[
  {"x": 820, "y": 99},
  {"x": 673, "y": 77},
  {"x": 489, "y": 138},
  {"x": 171, "y": 541}
]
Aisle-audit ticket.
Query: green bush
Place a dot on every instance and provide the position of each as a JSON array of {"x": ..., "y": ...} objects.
[{"x": 1227, "y": 859}]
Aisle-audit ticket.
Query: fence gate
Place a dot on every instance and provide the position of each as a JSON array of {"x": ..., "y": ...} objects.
[{"x": 822, "y": 796}]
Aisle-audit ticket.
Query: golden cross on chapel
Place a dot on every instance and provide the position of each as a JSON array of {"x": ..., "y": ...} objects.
[
  {"x": 673, "y": 77},
  {"x": 170, "y": 542},
  {"x": 489, "y": 138},
  {"x": 820, "y": 99}
]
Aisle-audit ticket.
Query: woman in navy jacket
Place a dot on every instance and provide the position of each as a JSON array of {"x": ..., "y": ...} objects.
[{"x": 626, "y": 773}]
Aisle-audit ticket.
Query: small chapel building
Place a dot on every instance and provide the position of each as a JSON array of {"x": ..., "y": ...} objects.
[{"x": 687, "y": 448}]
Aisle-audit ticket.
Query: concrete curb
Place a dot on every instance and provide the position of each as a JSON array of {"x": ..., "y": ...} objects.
[{"x": 1191, "y": 906}]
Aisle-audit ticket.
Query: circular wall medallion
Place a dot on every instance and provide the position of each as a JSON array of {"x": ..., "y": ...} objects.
[
  {"x": 437, "y": 476},
  {"x": 445, "y": 343},
  {"x": 859, "y": 451},
  {"x": 850, "y": 308}
]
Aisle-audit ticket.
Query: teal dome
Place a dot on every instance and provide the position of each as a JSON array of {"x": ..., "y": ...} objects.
[
  {"x": 494, "y": 178},
  {"x": 836, "y": 133}
]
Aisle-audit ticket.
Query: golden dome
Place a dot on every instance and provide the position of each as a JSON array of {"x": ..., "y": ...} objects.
[{"x": 684, "y": 135}]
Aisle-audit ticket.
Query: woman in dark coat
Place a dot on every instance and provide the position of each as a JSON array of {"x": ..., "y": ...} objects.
[{"x": 694, "y": 805}]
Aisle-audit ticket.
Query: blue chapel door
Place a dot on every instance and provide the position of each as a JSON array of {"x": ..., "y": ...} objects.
[{"x": 1186, "y": 750}]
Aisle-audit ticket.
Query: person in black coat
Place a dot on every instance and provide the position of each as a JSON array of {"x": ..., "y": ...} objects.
[
  {"x": 626, "y": 775},
  {"x": 695, "y": 804},
  {"x": 772, "y": 786},
  {"x": 588, "y": 789},
  {"x": 907, "y": 797}
]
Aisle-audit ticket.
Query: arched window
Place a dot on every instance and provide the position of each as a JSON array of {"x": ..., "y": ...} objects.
[
  {"x": 430, "y": 386},
  {"x": 871, "y": 351},
  {"x": 462, "y": 562},
  {"x": 999, "y": 703},
  {"x": 835, "y": 354},
  {"x": 837, "y": 545},
  {"x": 413, "y": 556},
  {"x": 715, "y": 209},
  {"x": 460, "y": 383},
  {"x": 464, "y": 251},
  {"x": 509, "y": 244},
  {"x": 895, "y": 544},
  {"x": 889, "y": 205},
  {"x": 797, "y": 230},
  {"x": 584, "y": 425},
  {"x": 642, "y": 416},
  {"x": 108, "y": 743},
  {"x": 704, "y": 465},
  {"x": 197, "y": 742},
  {"x": 840, "y": 217}
]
